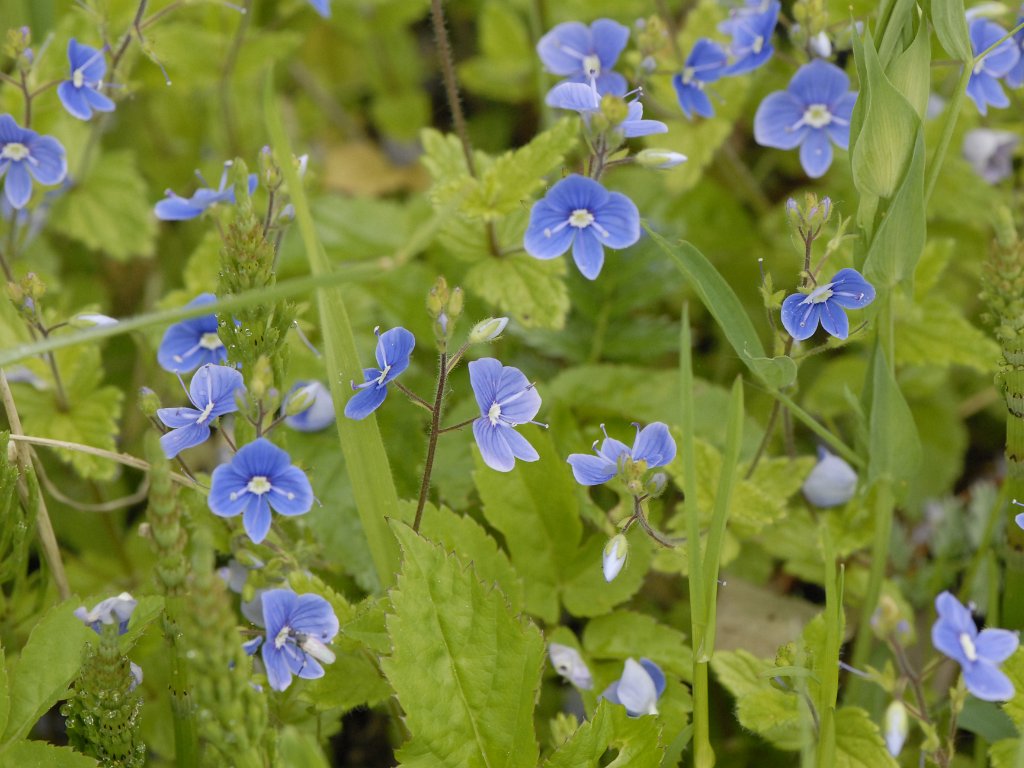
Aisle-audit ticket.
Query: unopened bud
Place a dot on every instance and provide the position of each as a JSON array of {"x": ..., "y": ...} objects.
[
  {"x": 91, "y": 320},
  {"x": 897, "y": 725},
  {"x": 659, "y": 159},
  {"x": 614, "y": 557},
  {"x": 149, "y": 402},
  {"x": 262, "y": 378},
  {"x": 831, "y": 483},
  {"x": 487, "y": 330},
  {"x": 269, "y": 171},
  {"x": 614, "y": 109}
]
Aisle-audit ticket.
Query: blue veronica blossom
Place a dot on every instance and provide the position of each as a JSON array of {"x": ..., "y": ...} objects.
[
  {"x": 191, "y": 343},
  {"x": 506, "y": 399},
  {"x": 751, "y": 28},
  {"x": 394, "y": 348},
  {"x": 259, "y": 478},
  {"x": 177, "y": 208},
  {"x": 813, "y": 113},
  {"x": 316, "y": 416},
  {"x": 584, "y": 98},
  {"x": 570, "y": 665},
  {"x": 639, "y": 688},
  {"x": 978, "y": 653},
  {"x": 298, "y": 630},
  {"x": 983, "y": 87},
  {"x": 25, "y": 155},
  {"x": 653, "y": 444},
  {"x": 579, "y": 212},
  {"x": 801, "y": 312},
  {"x": 113, "y": 610},
  {"x": 1015, "y": 77},
  {"x": 80, "y": 94},
  {"x": 580, "y": 53},
  {"x": 990, "y": 153},
  {"x": 705, "y": 64},
  {"x": 212, "y": 391},
  {"x": 323, "y": 7}
]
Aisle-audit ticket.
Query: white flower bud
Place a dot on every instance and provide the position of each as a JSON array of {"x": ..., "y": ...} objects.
[
  {"x": 820, "y": 45},
  {"x": 91, "y": 319},
  {"x": 569, "y": 664},
  {"x": 659, "y": 159},
  {"x": 315, "y": 648},
  {"x": 487, "y": 330},
  {"x": 990, "y": 153},
  {"x": 831, "y": 483},
  {"x": 614, "y": 559},
  {"x": 896, "y": 727}
]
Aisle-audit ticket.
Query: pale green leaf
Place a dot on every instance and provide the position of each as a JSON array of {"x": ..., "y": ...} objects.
[
  {"x": 505, "y": 69},
  {"x": 767, "y": 711},
  {"x": 935, "y": 333},
  {"x": 39, "y": 754},
  {"x": 637, "y": 741},
  {"x": 1006, "y": 753},
  {"x": 859, "y": 743},
  {"x": 5, "y": 692},
  {"x": 951, "y": 27},
  {"x": 530, "y": 290},
  {"x": 1013, "y": 668},
  {"x": 910, "y": 71},
  {"x": 297, "y": 748},
  {"x": 613, "y": 636},
  {"x": 585, "y": 591},
  {"x": 895, "y": 447}
]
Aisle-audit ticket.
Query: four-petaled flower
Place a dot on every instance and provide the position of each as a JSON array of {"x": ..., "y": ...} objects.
[
  {"x": 25, "y": 155},
  {"x": 299, "y": 627},
  {"x": 639, "y": 688},
  {"x": 705, "y": 64},
  {"x": 978, "y": 653},
  {"x": 80, "y": 94},
  {"x": 579, "y": 212},
  {"x": 212, "y": 391},
  {"x": 506, "y": 399},
  {"x": 801, "y": 312},
  {"x": 259, "y": 477},
  {"x": 581, "y": 53},
  {"x": 812, "y": 113},
  {"x": 653, "y": 444},
  {"x": 584, "y": 98},
  {"x": 983, "y": 87},
  {"x": 113, "y": 610},
  {"x": 394, "y": 348},
  {"x": 751, "y": 28},
  {"x": 193, "y": 342},
  {"x": 177, "y": 208}
]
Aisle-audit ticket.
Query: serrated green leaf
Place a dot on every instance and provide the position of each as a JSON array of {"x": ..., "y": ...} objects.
[
  {"x": 951, "y": 27},
  {"x": 39, "y": 754},
  {"x": 1013, "y": 668},
  {"x": 451, "y": 633},
  {"x": 859, "y": 743},
  {"x": 767, "y": 711},
  {"x": 613, "y": 636},
  {"x": 586, "y": 593},
  {"x": 369, "y": 626},
  {"x": 636, "y": 739},
  {"x": 45, "y": 668},
  {"x": 109, "y": 210},
  {"x": 531, "y": 291},
  {"x": 1006, "y": 753},
  {"x": 933, "y": 332}
]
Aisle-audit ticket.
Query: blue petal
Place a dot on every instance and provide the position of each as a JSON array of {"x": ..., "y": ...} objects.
[
  {"x": 609, "y": 38},
  {"x": 774, "y": 121},
  {"x": 707, "y": 59},
  {"x": 996, "y": 644},
  {"x": 74, "y": 100},
  {"x": 561, "y": 50},
  {"x": 323, "y": 7},
  {"x": 224, "y": 482},
  {"x": 798, "y": 318},
  {"x": 635, "y": 125},
  {"x": 1003, "y": 58},
  {"x": 178, "y": 417},
  {"x": 819, "y": 83},
  {"x": 986, "y": 682},
  {"x": 654, "y": 444},
  {"x": 98, "y": 101},
  {"x": 310, "y": 669},
  {"x": 494, "y": 449},
  {"x": 834, "y": 320},
  {"x": 394, "y": 348},
  {"x": 692, "y": 99},
  {"x": 313, "y": 615},
  {"x": 839, "y": 132},
  {"x": 611, "y": 82},
  {"x": 291, "y": 494},
  {"x": 954, "y": 620},
  {"x": 851, "y": 290},
  {"x": 576, "y": 192},
  {"x": 636, "y": 690},
  {"x": 484, "y": 379},
  {"x": 176, "y": 208},
  {"x": 260, "y": 457},
  {"x": 588, "y": 253},
  {"x": 279, "y": 674},
  {"x": 816, "y": 153},
  {"x": 611, "y": 693},
  {"x": 365, "y": 401},
  {"x": 278, "y": 605},
  {"x": 542, "y": 239},
  {"x": 11, "y": 131},
  {"x": 51, "y": 165},
  {"x": 657, "y": 676},
  {"x": 256, "y": 518},
  {"x": 519, "y": 445},
  {"x": 621, "y": 218},
  {"x": 177, "y": 440},
  {"x": 253, "y": 645},
  {"x": 217, "y": 384},
  {"x": 591, "y": 470},
  {"x": 579, "y": 97},
  {"x": 519, "y": 400},
  {"x": 18, "y": 186}
]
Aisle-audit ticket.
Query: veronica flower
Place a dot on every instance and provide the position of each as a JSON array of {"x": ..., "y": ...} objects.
[
  {"x": 177, "y": 208},
  {"x": 831, "y": 483},
  {"x": 751, "y": 28},
  {"x": 813, "y": 113},
  {"x": 801, "y": 312},
  {"x": 81, "y": 95},
  {"x": 318, "y": 411},
  {"x": 506, "y": 399},
  {"x": 653, "y": 444},
  {"x": 580, "y": 53},
  {"x": 639, "y": 688},
  {"x": 394, "y": 348},
  {"x": 193, "y": 342},
  {"x": 580, "y": 213},
  {"x": 212, "y": 391},
  {"x": 259, "y": 478},
  {"x": 584, "y": 98},
  {"x": 990, "y": 153},
  {"x": 25, "y": 155},
  {"x": 570, "y": 665},
  {"x": 983, "y": 87},
  {"x": 299, "y": 627},
  {"x": 705, "y": 64},
  {"x": 1015, "y": 77},
  {"x": 113, "y": 610},
  {"x": 323, "y": 7},
  {"x": 978, "y": 653}
]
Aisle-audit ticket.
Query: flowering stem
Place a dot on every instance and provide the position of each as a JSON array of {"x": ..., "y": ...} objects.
[
  {"x": 460, "y": 425},
  {"x": 435, "y": 430},
  {"x": 412, "y": 396},
  {"x": 126, "y": 40},
  {"x": 639, "y": 517}
]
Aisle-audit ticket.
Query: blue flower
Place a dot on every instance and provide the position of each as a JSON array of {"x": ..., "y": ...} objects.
[
  {"x": 812, "y": 113},
  {"x": 751, "y": 28},
  {"x": 570, "y": 665},
  {"x": 653, "y": 444},
  {"x": 259, "y": 478},
  {"x": 506, "y": 399},
  {"x": 984, "y": 87},
  {"x": 177, "y": 208},
  {"x": 191, "y": 343},
  {"x": 1015, "y": 77},
  {"x": 580, "y": 53},
  {"x": 394, "y": 348},
  {"x": 323, "y": 7},
  {"x": 639, "y": 688},
  {"x": 990, "y": 153},
  {"x": 25, "y": 155},
  {"x": 113, "y": 610},
  {"x": 212, "y": 391},
  {"x": 579, "y": 212},
  {"x": 318, "y": 413},
  {"x": 584, "y": 98},
  {"x": 705, "y": 64},
  {"x": 298, "y": 630},
  {"x": 978, "y": 653},
  {"x": 81, "y": 94},
  {"x": 802, "y": 312}
]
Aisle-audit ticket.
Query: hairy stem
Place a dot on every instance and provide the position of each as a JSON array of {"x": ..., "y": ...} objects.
[{"x": 435, "y": 430}]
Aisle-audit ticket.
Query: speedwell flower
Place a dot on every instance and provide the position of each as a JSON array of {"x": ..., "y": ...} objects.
[
  {"x": 984, "y": 87},
  {"x": 315, "y": 407},
  {"x": 80, "y": 94},
  {"x": 579, "y": 212},
  {"x": 299, "y": 627},
  {"x": 212, "y": 391},
  {"x": 653, "y": 444},
  {"x": 394, "y": 348},
  {"x": 580, "y": 53},
  {"x": 193, "y": 342},
  {"x": 705, "y": 64},
  {"x": 113, "y": 610},
  {"x": 639, "y": 688},
  {"x": 570, "y": 665},
  {"x": 323, "y": 7},
  {"x": 259, "y": 478},
  {"x": 990, "y": 153},
  {"x": 177, "y": 208},
  {"x": 25, "y": 155},
  {"x": 506, "y": 399},
  {"x": 802, "y": 312},
  {"x": 751, "y": 28},
  {"x": 584, "y": 98},
  {"x": 813, "y": 113},
  {"x": 978, "y": 653}
]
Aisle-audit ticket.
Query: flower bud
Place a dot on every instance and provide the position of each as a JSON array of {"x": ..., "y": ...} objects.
[
  {"x": 820, "y": 45},
  {"x": 659, "y": 159},
  {"x": 570, "y": 665},
  {"x": 990, "y": 153},
  {"x": 487, "y": 330},
  {"x": 309, "y": 407},
  {"x": 655, "y": 484},
  {"x": 91, "y": 320},
  {"x": 149, "y": 402},
  {"x": 269, "y": 171},
  {"x": 262, "y": 378},
  {"x": 897, "y": 725},
  {"x": 614, "y": 109},
  {"x": 831, "y": 483},
  {"x": 614, "y": 558}
]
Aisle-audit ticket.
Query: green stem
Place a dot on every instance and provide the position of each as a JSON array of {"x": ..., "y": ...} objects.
[
  {"x": 703, "y": 755},
  {"x": 838, "y": 446},
  {"x": 947, "y": 133}
]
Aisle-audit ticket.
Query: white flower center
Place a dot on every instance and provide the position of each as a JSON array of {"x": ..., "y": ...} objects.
[
  {"x": 967, "y": 644},
  {"x": 78, "y": 78},
  {"x": 206, "y": 413},
  {"x": 383, "y": 373},
  {"x": 758, "y": 44},
  {"x": 591, "y": 65},
  {"x": 258, "y": 485},
  {"x": 817, "y": 116},
  {"x": 210, "y": 341},
  {"x": 282, "y": 636},
  {"x": 581, "y": 218},
  {"x": 819, "y": 295},
  {"x": 14, "y": 150},
  {"x": 494, "y": 414}
]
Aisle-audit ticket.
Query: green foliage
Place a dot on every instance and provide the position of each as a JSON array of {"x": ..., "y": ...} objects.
[
  {"x": 951, "y": 27},
  {"x": 504, "y": 70},
  {"x": 895, "y": 448},
  {"x": 530, "y": 290},
  {"x": 614, "y": 636},
  {"x": 38, "y": 754},
  {"x": 637, "y": 741}
]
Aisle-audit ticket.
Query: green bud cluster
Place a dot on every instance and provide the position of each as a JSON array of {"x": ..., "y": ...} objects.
[
  {"x": 812, "y": 17},
  {"x": 102, "y": 715},
  {"x": 165, "y": 517},
  {"x": 445, "y": 306}
]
